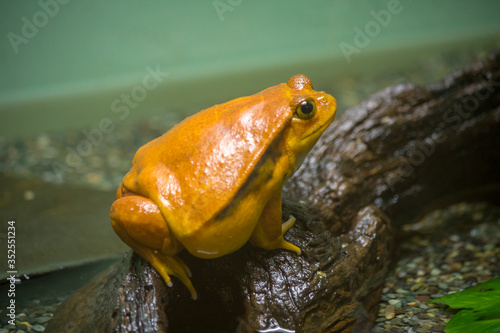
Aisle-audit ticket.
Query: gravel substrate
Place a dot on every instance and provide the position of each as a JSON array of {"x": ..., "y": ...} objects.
[
  {"x": 54, "y": 158},
  {"x": 456, "y": 248},
  {"x": 33, "y": 317}
]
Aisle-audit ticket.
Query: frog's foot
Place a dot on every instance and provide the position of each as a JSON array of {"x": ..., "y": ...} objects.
[
  {"x": 284, "y": 228},
  {"x": 140, "y": 224},
  {"x": 171, "y": 265},
  {"x": 269, "y": 232}
]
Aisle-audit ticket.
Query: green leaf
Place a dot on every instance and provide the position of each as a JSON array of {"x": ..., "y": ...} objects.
[
  {"x": 481, "y": 306},
  {"x": 465, "y": 322}
]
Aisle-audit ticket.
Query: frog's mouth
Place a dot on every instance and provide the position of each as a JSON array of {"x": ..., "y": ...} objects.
[
  {"x": 310, "y": 140},
  {"x": 322, "y": 128}
]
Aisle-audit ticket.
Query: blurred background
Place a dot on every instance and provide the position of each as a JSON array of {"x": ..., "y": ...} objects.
[
  {"x": 63, "y": 63},
  {"x": 83, "y": 84}
]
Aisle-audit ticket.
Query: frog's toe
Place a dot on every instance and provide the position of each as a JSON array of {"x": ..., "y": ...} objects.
[
  {"x": 172, "y": 265},
  {"x": 182, "y": 272},
  {"x": 289, "y": 246},
  {"x": 164, "y": 272},
  {"x": 288, "y": 224}
]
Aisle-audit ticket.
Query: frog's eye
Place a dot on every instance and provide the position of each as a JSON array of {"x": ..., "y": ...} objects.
[{"x": 306, "y": 109}]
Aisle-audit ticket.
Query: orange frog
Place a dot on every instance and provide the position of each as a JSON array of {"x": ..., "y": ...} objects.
[{"x": 214, "y": 181}]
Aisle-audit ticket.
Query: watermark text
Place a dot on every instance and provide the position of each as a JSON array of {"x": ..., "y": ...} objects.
[{"x": 11, "y": 271}]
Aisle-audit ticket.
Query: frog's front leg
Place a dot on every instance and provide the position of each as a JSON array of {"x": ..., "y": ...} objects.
[
  {"x": 268, "y": 233},
  {"x": 140, "y": 224}
]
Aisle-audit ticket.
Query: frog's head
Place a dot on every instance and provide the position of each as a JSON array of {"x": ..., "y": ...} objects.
[{"x": 312, "y": 111}]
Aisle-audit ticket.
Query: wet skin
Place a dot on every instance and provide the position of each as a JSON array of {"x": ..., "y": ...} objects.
[{"x": 214, "y": 181}]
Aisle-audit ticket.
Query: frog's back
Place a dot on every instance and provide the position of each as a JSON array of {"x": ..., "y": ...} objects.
[{"x": 201, "y": 163}]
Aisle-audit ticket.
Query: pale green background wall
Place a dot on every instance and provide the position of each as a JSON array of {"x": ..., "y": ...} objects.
[{"x": 90, "y": 52}]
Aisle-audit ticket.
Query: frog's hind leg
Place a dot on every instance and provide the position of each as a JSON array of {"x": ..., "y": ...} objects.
[
  {"x": 268, "y": 233},
  {"x": 140, "y": 224}
]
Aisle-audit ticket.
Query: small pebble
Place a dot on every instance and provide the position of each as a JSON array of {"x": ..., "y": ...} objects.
[
  {"x": 21, "y": 316},
  {"x": 395, "y": 302},
  {"x": 416, "y": 286},
  {"x": 443, "y": 285},
  {"x": 23, "y": 325},
  {"x": 422, "y": 330},
  {"x": 43, "y": 319},
  {"x": 427, "y": 326},
  {"x": 410, "y": 300},
  {"x": 389, "y": 312},
  {"x": 38, "y": 328},
  {"x": 423, "y": 298}
]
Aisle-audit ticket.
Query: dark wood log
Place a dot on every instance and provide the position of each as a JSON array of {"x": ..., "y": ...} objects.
[{"x": 382, "y": 164}]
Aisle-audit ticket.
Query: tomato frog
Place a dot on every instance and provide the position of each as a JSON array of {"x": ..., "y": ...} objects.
[{"x": 214, "y": 181}]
